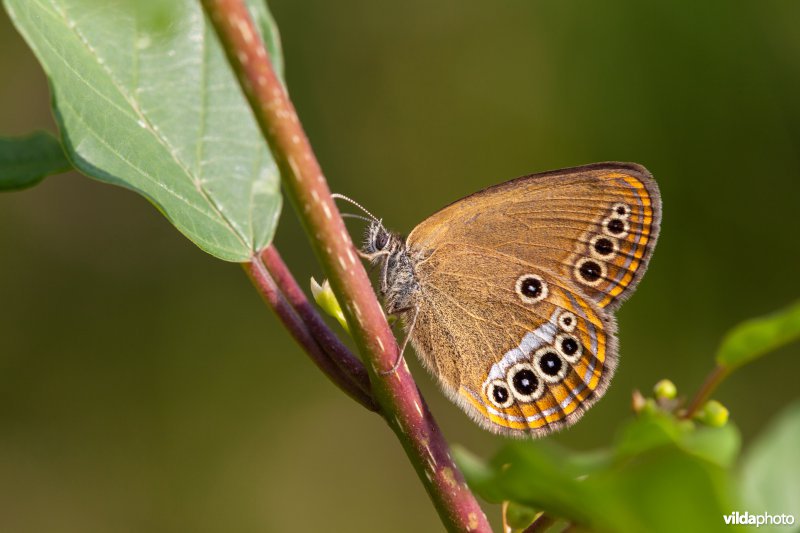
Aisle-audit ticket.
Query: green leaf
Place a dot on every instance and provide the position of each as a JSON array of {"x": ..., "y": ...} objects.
[
  {"x": 156, "y": 108},
  {"x": 666, "y": 490},
  {"x": 25, "y": 161},
  {"x": 649, "y": 431},
  {"x": 754, "y": 338},
  {"x": 771, "y": 471},
  {"x": 719, "y": 445},
  {"x": 670, "y": 480},
  {"x": 539, "y": 476},
  {"x": 478, "y": 474}
]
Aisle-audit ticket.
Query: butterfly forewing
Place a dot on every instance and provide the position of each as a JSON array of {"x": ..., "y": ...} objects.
[
  {"x": 596, "y": 225},
  {"x": 515, "y": 284}
]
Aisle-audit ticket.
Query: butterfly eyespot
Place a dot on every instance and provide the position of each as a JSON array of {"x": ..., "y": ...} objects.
[
  {"x": 497, "y": 392},
  {"x": 531, "y": 288},
  {"x": 567, "y": 321},
  {"x": 570, "y": 347},
  {"x": 590, "y": 272},
  {"x": 603, "y": 247},
  {"x": 621, "y": 210},
  {"x": 549, "y": 364},
  {"x": 615, "y": 226},
  {"x": 524, "y": 383}
]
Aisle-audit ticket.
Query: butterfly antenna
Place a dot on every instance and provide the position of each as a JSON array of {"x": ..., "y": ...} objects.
[
  {"x": 358, "y": 205},
  {"x": 351, "y": 215}
]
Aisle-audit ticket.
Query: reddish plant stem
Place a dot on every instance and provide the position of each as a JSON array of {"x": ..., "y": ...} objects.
[
  {"x": 301, "y": 333},
  {"x": 327, "y": 339},
  {"x": 305, "y": 184},
  {"x": 706, "y": 390}
]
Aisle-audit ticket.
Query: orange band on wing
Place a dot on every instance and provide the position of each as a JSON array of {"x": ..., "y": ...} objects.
[
  {"x": 563, "y": 398},
  {"x": 640, "y": 246}
]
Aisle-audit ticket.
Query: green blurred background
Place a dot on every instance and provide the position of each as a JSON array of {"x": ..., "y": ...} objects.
[{"x": 145, "y": 387}]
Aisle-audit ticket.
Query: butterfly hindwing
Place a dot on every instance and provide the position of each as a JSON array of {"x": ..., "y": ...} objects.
[
  {"x": 553, "y": 376},
  {"x": 525, "y": 353}
]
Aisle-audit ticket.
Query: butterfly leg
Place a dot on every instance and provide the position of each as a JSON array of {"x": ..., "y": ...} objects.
[
  {"x": 409, "y": 331},
  {"x": 365, "y": 255}
]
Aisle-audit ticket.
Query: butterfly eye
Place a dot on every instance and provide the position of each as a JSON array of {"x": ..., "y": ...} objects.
[
  {"x": 590, "y": 272},
  {"x": 614, "y": 226},
  {"x": 603, "y": 247},
  {"x": 381, "y": 240},
  {"x": 524, "y": 382},
  {"x": 498, "y": 393},
  {"x": 621, "y": 210},
  {"x": 549, "y": 364},
  {"x": 531, "y": 288},
  {"x": 567, "y": 321},
  {"x": 570, "y": 347}
]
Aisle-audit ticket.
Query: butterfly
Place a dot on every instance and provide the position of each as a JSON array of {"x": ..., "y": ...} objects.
[{"x": 508, "y": 295}]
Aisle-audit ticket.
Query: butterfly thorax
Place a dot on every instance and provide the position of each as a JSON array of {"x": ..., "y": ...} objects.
[{"x": 398, "y": 281}]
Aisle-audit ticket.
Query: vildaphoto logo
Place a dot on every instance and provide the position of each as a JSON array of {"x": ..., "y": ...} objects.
[{"x": 747, "y": 519}]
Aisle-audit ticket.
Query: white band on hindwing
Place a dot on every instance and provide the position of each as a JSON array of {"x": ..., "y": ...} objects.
[{"x": 532, "y": 341}]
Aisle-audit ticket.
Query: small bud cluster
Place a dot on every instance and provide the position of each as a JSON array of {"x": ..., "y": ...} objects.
[{"x": 666, "y": 400}]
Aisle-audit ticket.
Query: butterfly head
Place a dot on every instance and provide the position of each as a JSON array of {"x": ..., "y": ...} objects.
[{"x": 378, "y": 241}]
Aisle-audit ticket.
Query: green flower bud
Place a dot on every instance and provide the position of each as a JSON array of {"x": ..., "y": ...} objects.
[
  {"x": 665, "y": 390},
  {"x": 713, "y": 414},
  {"x": 323, "y": 295}
]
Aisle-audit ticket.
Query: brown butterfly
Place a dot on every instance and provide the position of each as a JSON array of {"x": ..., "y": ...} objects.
[{"x": 507, "y": 295}]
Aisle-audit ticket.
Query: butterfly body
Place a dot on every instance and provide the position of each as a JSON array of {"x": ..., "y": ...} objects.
[
  {"x": 508, "y": 294},
  {"x": 399, "y": 287}
]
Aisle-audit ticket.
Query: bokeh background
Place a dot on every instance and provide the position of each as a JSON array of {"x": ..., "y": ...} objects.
[{"x": 145, "y": 387}]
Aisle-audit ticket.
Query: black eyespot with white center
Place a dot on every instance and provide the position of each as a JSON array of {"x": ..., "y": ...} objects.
[
  {"x": 590, "y": 272},
  {"x": 549, "y": 365},
  {"x": 603, "y": 247},
  {"x": 569, "y": 346},
  {"x": 531, "y": 288},
  {"x": 615, "y": 226},
  {"x": 524, "y": 383},
  {"x": 621, "y": 210},
  {"x": 567, "y": 321},
  {"x": 498, "y": 393}
]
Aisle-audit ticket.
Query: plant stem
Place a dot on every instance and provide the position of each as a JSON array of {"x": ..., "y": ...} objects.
[
  {"x": 292, "y": 321},
  {"x": 397, "y": 394},
  {"x": 712, "y": 381},
  {"x": 327, "y": 339}
]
